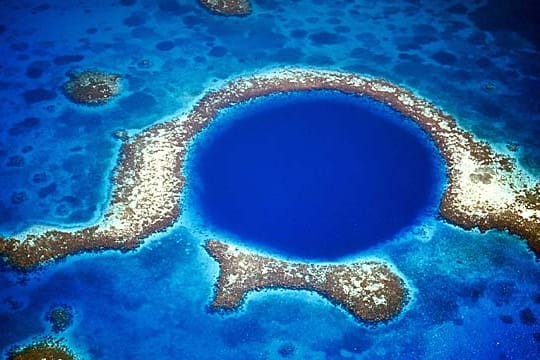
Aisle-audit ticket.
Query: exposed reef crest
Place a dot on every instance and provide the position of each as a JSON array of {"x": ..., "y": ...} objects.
[
  {"x": 369, "y": 290},
  {"x": 485, "y": 190}
]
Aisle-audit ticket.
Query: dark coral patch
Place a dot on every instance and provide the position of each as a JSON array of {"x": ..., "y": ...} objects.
[
  {"x": 38, "y": 95},
  {"x": 173, "y": 7},
  {"x": 342, "y": 29},
  {"x": 143, "y": 32},
  {"x": 60, "y": 317},
  {"x": 67, "y": 59},
  {"x": 286, "y": 350},
  {"x": 507, "y": 319},
  {"x": 20, "y": 46},
  {"x": 15, "y": 161},
  {"x": 298, "y": 33},
  {"x": 520, "y": 16},
  {"x": 35, "y": 69},
  {"x": 40, "y": 8},
  {"x": 47, "y": 190},
  {"x": 24, "y": 126},
  {"x": 199, "y": 59},
  {"x": 333, "y": 21},
  {"x": 135, "y": 20},
  {"x": 18, "y": 197},
  {"x": 191, "y": 20},
  {"x": 39, "y": 178},
  {"x": 165, "y": 45},
  {"x": 218, "y": 51},
  {"x": 71, "y": 200},
  {"x": 527, "y": 317},
  {"x": 326, "y": 38},
  {"x": 444, "y": 58}
]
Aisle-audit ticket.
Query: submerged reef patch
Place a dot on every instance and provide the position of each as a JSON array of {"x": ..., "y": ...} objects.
[
  {"x": 92, "y": 87},
  {"x": 486, "y": 190},
  {"x": 369, "y": 290},
  {"x": 60, "y": 317},
  {"x": 228, "y": 7},
  {"x": 46, "y": 349}
]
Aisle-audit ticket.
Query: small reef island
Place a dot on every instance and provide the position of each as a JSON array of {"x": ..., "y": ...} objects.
[
  {"x": 369, "y": 290},
  {"x": 486, "y": 190},
  {"x": 91, "y": 88},
  {"x": 228, "y": 7}
]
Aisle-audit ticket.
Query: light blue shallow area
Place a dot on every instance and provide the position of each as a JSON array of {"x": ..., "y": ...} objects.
[{"x": 475, "y": 296}]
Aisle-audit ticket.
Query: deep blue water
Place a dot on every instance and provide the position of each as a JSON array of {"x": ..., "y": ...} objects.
[
  {"x": 317, "y": 175},
  {"x": 475, "y": 296}
]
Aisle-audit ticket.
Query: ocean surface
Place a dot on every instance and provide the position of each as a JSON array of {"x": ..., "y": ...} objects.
[{"x": 473, "y": 295}]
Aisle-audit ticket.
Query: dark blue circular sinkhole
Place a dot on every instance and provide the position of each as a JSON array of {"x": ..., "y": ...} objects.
[{"x": 315, "y": 175}]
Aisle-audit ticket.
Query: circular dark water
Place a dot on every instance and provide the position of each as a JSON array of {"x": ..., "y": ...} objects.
[{"x": 314, "y": 175}]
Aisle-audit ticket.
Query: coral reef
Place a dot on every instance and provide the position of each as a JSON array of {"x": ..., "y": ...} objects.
[
  {"x": 60, "y": 317},
  {"x": 92, "y": 87},
  {"x": 228, "y": 7},
  {"x": 485, "y": 189},
  {"x": 46, "y": 349},
  {"x": 369, "y": 290}
]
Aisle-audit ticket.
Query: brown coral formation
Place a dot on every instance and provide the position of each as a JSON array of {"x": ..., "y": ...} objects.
[
  {"x": 60, "y": 317},
  {"x": 368, "y": 290},
  {"x": 47, "y": 349},
  {"x": 92, "y": 87},
  {"x": 485, "y": 190},
  {"x": 228, "y": 7}
]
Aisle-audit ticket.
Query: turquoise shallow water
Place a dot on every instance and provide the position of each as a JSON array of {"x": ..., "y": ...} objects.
[{"x": 475, "y": 296}]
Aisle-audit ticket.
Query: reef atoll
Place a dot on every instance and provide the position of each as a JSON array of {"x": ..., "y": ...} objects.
[
  {"x": 228, "y": 7},
  {"x": 486, "y": 190},
  {"x": 46, "y": 349},
  {"x": 369, "y": 290},
  {"x": 92, "y": 87}
]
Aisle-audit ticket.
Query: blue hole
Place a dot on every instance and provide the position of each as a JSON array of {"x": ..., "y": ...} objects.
[{"x": 314, "y": 175}]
